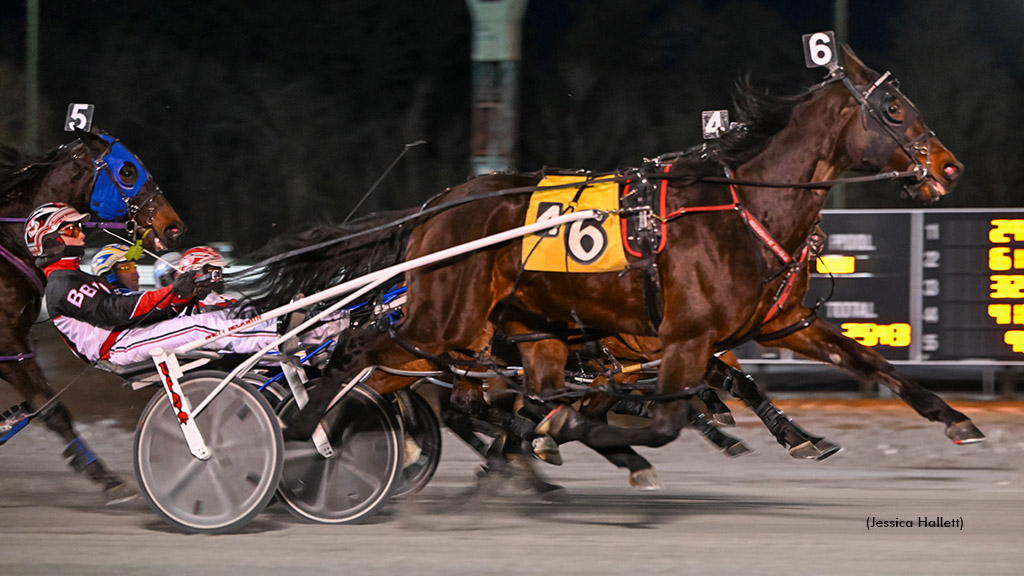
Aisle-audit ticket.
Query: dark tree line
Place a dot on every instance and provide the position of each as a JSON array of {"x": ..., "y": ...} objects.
[{"x": 259, "y": 117}]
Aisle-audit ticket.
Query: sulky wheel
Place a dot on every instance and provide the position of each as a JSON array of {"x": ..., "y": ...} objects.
[
  {"x": 228, "y": 490},
  {"x": 424, "y": 432},
  {"x": 354, "y": 483},
  {"x": 274, "y": 392}
]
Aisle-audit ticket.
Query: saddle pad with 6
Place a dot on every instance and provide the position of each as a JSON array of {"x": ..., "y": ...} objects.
[{"x": 583, "y": 246}]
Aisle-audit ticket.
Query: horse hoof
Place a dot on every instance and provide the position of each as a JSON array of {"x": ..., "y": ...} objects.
[
  {"x": 964, "y": 432},
  {"x": 814, "y": 450},
  {"x": 646, "y": 479},
  {"x": 737, "y": 449},
  {"x": 412, "y": 452},
  {"x": 560, "y": 423},
  {"x": 119, "y": 494},
  {"x": 724, "y": 419},
  {"x": 546, "y": 449}
]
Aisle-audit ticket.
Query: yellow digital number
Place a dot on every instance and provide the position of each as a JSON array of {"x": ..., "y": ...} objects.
[
  {"x": 1007, "y": 313},
  {"x": 1002, "y": 259},
  {"x": 1007, "y": 285},
  {"x": 1003, "y": 229},
  {"x": 1015, "y": 338},
  {"x": 871, "y": 334}
]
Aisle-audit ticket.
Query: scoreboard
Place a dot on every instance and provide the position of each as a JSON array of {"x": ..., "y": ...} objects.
[{"x": 926, "y": 285}]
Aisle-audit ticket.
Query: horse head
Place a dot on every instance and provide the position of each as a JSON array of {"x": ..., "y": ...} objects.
[
  {"x": 889, "y": 134},
  {"x": 124, "y": 189}
]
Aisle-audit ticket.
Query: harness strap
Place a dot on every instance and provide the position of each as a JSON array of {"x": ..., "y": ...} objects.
[
  {"x": 792, "y": 328},
  {"x": 782, "y": 295},
  {"x": 28, "y": 272},
  {"x": 790, "y": 264}
]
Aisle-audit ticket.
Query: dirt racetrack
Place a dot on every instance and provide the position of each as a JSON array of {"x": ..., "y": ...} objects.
[{"x": 763, "y": 513}]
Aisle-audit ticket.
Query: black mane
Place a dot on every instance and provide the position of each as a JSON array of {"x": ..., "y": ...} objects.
[
  {"x": 18, "y": 168},
  {"x": 759, "y": 115},
  {"x": 312, "y": 260}
]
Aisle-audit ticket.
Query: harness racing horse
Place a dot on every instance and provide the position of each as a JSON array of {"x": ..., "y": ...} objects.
[
  {"x": 718, "y": 277},
  {"x": 98, "y": 175},
  {"x": 310, "y": 261}
]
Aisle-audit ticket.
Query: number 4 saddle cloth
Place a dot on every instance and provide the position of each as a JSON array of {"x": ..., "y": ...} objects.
[{"x": 593, "y": 245}]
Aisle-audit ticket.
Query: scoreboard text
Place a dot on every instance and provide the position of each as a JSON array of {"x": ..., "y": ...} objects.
[{"x": 923, "y": 285}]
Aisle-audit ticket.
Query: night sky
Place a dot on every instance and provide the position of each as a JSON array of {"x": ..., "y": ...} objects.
[{"x": 263, "y": 116}]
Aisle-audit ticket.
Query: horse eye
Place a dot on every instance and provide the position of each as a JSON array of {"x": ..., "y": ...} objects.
[
  {"x": 894, "y": 111},
  {"x": 128, "y": 174}
]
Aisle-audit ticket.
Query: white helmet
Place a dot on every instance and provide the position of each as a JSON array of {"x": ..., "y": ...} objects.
[
  {"x": 109, "y": 256},
  {"x": 166, "y": 269},
  {"x": 195, "y": 259},
  {"x": 42, "y": 227}
]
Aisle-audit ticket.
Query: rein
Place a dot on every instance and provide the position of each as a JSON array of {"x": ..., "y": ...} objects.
[{"x": 620, "y": 179}]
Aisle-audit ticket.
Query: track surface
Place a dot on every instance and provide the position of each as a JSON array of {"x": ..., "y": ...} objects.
[{"x": 762, "y": 513}]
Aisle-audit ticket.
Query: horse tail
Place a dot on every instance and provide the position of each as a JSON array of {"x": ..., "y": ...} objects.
[{"x": 315, "y": 259}]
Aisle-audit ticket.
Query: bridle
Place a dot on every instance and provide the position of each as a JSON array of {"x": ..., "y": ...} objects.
[
  {"x": 113, "y": 199},
  {"x": 885, "y": 130}
]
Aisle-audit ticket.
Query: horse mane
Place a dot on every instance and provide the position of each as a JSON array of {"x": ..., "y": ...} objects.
[
  {"x": 317, "y": 258},
  {"x": 759, "y": 116},
  {"x": 18, "y": 168}
]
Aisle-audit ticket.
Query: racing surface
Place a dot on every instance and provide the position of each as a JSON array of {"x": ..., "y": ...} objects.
[{"x": 763, "y": 512}]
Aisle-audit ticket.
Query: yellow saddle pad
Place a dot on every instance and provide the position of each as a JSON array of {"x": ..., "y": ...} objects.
[{"x": 583, "y": 246}]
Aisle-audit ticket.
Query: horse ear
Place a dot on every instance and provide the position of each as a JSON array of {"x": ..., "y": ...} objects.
[
  {"x": 93, "y": 142},
  {"x": 855, "y": 69}
]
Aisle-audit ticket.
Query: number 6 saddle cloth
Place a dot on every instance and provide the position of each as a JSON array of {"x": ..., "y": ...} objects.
[{"x": 593, "y": 245}]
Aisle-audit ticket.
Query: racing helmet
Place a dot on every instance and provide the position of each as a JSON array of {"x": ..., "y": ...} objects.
[
  {"x": 42, "y": 227},
  {"x": 196, "y": 259},
  {"x": 107, "y": 258},
  {"x": 165, "y": 269}
]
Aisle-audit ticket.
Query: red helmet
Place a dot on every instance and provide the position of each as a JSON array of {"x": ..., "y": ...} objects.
[
  {"x": 195, "y": 259},
  {"x": 42, "y": 227}
]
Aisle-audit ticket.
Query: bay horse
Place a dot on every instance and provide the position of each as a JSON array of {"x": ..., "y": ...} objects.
[
  {"x": 95, "y": 174},
  {"x": 731, "y": 245}
]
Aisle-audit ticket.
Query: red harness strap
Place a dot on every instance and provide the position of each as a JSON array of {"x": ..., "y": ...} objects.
[
  {"x": 787, "y": 287},
  {"x": 764, "y": 236}
]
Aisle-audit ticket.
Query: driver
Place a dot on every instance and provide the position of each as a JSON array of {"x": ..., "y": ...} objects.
[
  {"x": 206, "y": 260},
  {"x": 99, "y": 323},
  {"x": 112, "y": 263}
]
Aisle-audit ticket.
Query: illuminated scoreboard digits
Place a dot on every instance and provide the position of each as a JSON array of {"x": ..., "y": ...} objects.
[
  {"x": 976, "y": 291},
  {"x": 1007, "y": 288},
  {"x": 923, "y": 285}
]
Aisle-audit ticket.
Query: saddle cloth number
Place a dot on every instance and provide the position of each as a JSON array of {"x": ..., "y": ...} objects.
[{"x": 593, "y": 245}]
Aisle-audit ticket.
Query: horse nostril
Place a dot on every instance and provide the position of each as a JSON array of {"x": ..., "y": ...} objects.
[
  {"x": 173, "y": 232},
  {"x": 952, "y": 170}
]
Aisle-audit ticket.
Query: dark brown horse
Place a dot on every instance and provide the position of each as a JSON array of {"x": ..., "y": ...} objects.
[
  {"x": 720, "y": 273},
  {"x": 94, "y": 174}
]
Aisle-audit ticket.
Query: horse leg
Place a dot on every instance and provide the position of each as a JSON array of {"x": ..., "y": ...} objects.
[
  {"x": 716, "y": 410},
  {"x": 786, "y": 432},
  {"x": 667, "y": 418},
  {"x": 824, "y": 343},
  {"x": 27, "y": 378},
  {"x": 463, "y": 425},
  {"x": 729, "y": 445},
  {"x": 544, "y": 362}
]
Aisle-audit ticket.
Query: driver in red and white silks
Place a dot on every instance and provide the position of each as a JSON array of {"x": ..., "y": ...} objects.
[{"x": 99, "y": 323}]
